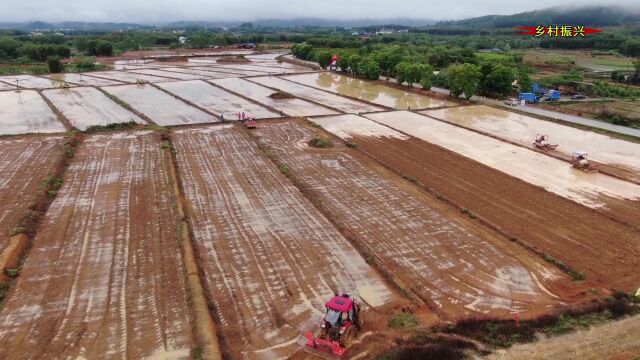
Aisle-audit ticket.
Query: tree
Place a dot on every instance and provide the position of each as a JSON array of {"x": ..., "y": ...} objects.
[
  {"x": 200, "y": 40},
  {"x": 323, "y": 57},
  {"x": 54, "y": 64},
  {"x": 401, "y": 72},
  {"x": 499, "y": 81},
  {"x": 8, "y": 48},
  {"x": 631, "y": 48},
  {"x": 103, "y": 48},
  {"x": 370, "y": 68},
  {"x": 426, "y": 76},
  {"x": 463, "y": 79}
]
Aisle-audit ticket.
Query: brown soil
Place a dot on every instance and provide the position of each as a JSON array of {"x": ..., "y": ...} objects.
[
  {"x": 233, "y": 60},
  {"x": 105, "y": 274},
  {"x": 454, "y": 264},
  {"x": 24, "y": 162},
  {"x": 605, "y": 249},
  {"x": 269, "y": 260}
]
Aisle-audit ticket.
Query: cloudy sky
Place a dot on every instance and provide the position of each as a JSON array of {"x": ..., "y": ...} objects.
[{"x": 151, "y": 11}]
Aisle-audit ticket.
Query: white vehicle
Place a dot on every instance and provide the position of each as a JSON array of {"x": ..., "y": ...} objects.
[{"x": 512, "y": 102}]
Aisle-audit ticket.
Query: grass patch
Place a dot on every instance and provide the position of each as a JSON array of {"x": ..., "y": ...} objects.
[
  {"x": 321, "y": 143},
  {"x": 575, "y": 275},
  {"x": 403, "y": 320},
  {"x": 111, "y": 127},
  {"x": 504, "y": 333},
  {"x": 17, "y": 230},
  {"x": 352, "y": 145},
  {"x": 281, "y": 95}
]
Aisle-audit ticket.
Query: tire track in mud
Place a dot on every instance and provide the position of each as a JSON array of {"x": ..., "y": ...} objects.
[
  {"x": 546, "y": 223},
  {"x": 269, "y": 260},
  {"x": 108, "y": 283},
  {"x": 412, "y": 237}
]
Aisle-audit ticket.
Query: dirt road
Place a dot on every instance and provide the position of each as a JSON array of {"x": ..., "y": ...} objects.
[
  {"x": 616, "y": 340},
  {"x": 104, "y": 278},
  {"x": 455, "y": 265},
  {"x": 586, "y": 240},
  {"x": 269, "y": 259}
]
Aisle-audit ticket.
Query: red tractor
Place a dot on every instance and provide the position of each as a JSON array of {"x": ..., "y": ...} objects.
[
  {"x": 337, "y": 329},
  {"x": 250, "y": 123}
]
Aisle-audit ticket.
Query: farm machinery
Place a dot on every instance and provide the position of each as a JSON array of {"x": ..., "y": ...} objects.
[
  {"x": 338, "y": 328},
  {"x": 542, "y": 143},
  {"x": 580, "y": 161}
]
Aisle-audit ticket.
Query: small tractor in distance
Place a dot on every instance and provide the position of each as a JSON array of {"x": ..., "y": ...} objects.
[
  {"x": 250, "y": 123},
  {"x": 337, "y": 329},
  {"x": 542, "y": 143},
  {"x": 579, "y": 161}
]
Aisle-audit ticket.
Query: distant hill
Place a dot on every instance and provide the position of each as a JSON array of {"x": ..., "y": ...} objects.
[
  {"x": 74, "y": 25},
  {"x": 570, "y": 15}
]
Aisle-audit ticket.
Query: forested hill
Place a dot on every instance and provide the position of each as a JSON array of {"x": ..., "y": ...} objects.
[{"x": 570, "y": 15}]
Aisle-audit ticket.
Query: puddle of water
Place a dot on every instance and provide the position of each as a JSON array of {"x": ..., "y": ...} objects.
[
  {"x": 552, "y": 174},
  {"x": 291, "y": 107},
  {"x": 215, "y": 99},
  {"x": 129, "y": 77},
  {"x": 82, "y": 79},
  {"x": 26, "y": 112},
  {"x": 87, "y": 106},
  {"x": 160, "y": 107},
  {"x": 523, "y": 129},
  {"x": 347, "y": 126},
  {"x": 364, "y": 90},
  {"x": 322, "y": 97},
  {"x": 32, "y": 82}
]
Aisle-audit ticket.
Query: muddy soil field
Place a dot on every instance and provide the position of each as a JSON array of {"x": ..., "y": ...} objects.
[
  {"x": 82, "y": 79},
  {"x": 269, "y": 259},
  {"x": 31, "y": 82},
  {"x": 604, "y": 249},
  {"x": 522, "y": 129},
  {"x": 24, "y": 164},
  {"x": 129, "y": 77},
  {"x": 216, "y": 100},
  {"x": 87, "y": 106},
  {"x": 104, "y": 278},
  {"x": 452, "y": 263},
  {"x": 162, "y": 108},
  {"x": 167, "y": 74},
  {"x": 614, "y": 197},
  {"x": 26, "y": 112}
]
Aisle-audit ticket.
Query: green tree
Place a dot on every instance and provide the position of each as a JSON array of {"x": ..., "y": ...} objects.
[
  {"x": 499, "y": 80},
  {"x": 323, "y": 57},
  {"x": 631, "y": 48},
  {"x": 426, "y": 76},
  {"x": 54, "y": 64},
  {"x": 8, "y": 48},
  {"x": 200, "y": 40},
  {"x": 401, "y": 70},
  {"x": 463, "y": 79},
  {"x": 370, "y": 68},
  {"x": 103, "y": 48}
]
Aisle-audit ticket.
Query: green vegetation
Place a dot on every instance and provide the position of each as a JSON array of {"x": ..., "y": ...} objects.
[
  {"x": 111, "y": 127},
  {"x": 403, "y": 320},
  {"x": 54, "y": 64},
  {"x": 320, "y": 142}
]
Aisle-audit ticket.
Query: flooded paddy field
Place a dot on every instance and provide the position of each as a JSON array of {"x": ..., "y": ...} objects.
[
  {"x": 522, "y": 129},
  {"x": 269, "y": 259},
  {"x": 162, "y": 108},
  {"x": 261, "y": 68},
  {"x": 26, "y": 112},
  {"x": 4, "y": 86},
  {"x": 128, "y": 77},
  {"x": 451, "y": 262},
  {"x": 216, "y": 100},
  {"x": 87, "y": 106},
  {"x": 201, "y": 73},
  {"x": 593, "y": 190},
  {"x": 232, "y": 73},
  {"x": 32, "y": 82},
  {"x": 370, "y": 91},
  {"x": 261, "y": 94},
  {"x": 24, "y": 163},
  {"x": 591, "y": 242},
  {"x": 105, "y": 275},
  {"x": 166, "y": 74},
  {"x": 324, "y": 98},
  {"x": 82, "y": 79}
]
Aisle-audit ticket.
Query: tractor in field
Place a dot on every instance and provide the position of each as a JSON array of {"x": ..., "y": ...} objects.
[
  {"x": 250, "y": 123},
  {"x": 542, "y": 143},
  {"x": 338, "y": 328},
  {"x": 580, "y": 161}
]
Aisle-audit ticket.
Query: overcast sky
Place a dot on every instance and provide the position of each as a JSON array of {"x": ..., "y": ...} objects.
[{"x": 150, "y": 11}]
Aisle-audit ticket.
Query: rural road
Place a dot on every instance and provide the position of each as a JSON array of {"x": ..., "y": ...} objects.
[{"x": 547, "y": 113}]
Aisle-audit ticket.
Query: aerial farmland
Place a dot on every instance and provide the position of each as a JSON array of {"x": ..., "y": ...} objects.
[{"x": 209, "y": 209}]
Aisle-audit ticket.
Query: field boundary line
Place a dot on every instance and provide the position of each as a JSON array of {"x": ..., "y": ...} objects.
[
  {"x": 188, "y": 102},
  {"x": 204, "y": 326}
]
